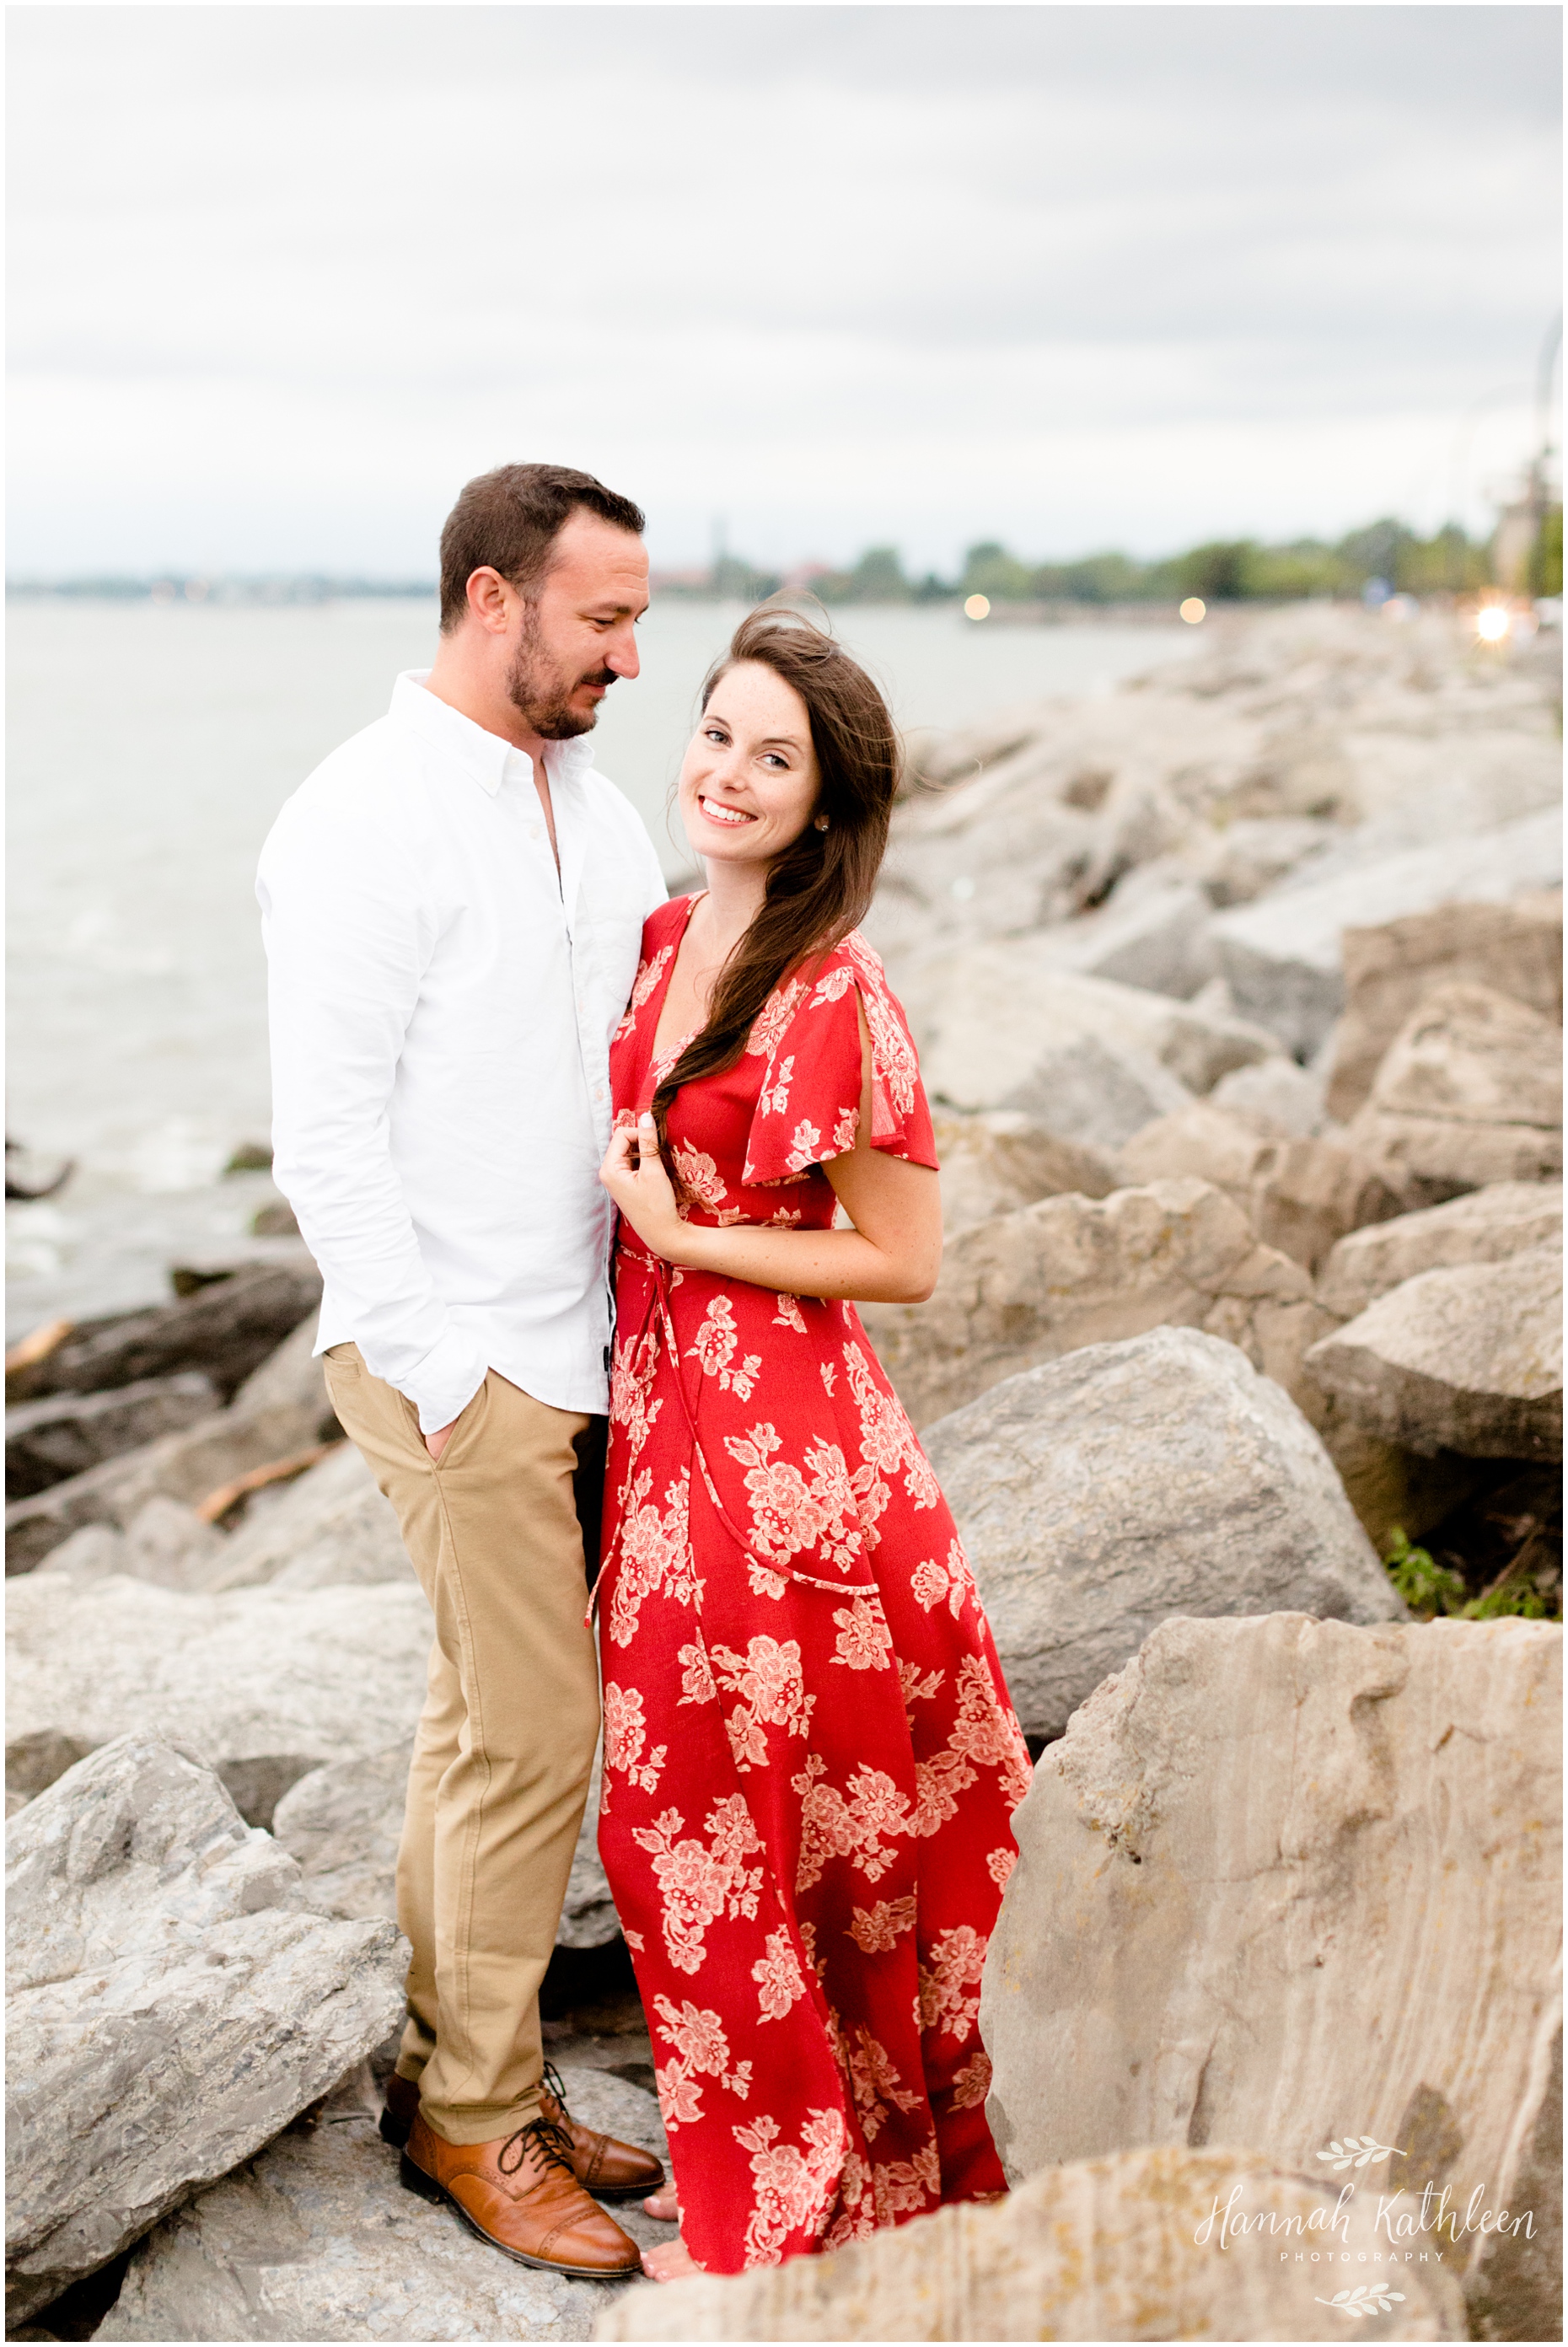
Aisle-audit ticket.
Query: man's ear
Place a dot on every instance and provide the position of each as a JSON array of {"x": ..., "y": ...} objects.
[{"x": 492, "y": 599}]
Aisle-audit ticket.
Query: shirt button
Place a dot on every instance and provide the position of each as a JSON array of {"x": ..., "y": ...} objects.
[{"x": 599, "y": 1092}]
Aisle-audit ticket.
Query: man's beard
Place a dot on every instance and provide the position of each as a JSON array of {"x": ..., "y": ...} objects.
[{"x": 542, "y": 698}]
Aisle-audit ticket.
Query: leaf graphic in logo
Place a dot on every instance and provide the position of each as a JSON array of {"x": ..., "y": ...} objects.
[
  {"x": 1366, "y": 2297},
  {"x": 1356, "y": 2151}
]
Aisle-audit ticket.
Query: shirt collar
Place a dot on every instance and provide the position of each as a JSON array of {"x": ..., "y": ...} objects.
[{"x": 483, "y": 756}]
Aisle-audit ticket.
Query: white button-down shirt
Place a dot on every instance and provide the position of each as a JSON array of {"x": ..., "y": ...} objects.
[{"x": 442, "y": 1002}]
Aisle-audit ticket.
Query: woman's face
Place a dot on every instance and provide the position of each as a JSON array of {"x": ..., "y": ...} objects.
[{"x": 749, "y": 781}]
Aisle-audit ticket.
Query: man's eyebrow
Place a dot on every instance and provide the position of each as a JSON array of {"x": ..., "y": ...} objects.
[{"x": 617, "y": 608}]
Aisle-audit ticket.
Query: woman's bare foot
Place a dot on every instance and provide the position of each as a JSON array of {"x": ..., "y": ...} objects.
[
  {"x": 671, "y": 2262},
  {"x": 663, "y": 2205}
]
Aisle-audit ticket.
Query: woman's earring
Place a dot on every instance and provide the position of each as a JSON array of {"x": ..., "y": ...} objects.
[{"x": 822, "y": 823}]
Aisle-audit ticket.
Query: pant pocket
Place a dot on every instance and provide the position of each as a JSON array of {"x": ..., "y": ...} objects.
[{"x": 465, "y": 1426}]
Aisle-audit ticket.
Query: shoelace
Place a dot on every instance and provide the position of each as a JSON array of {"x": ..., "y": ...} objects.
[
  {"x": 553, "y": 2083},
  {"x": 554, "y": 2143}
]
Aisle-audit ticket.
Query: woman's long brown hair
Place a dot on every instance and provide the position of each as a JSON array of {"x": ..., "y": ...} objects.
[{"x": 821, "y": 887}]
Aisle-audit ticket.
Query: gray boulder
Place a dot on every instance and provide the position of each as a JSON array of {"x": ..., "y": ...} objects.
[
  {"x": 329, "y": 1527},
  {"x": 1001, "y": 1159},
  {"x": 1094, "y": 1093},
  {"x": 1099, "y": 1495},
  {"x": 1155, "y": 936},
  {"x": 324, "y": 1529},
  {"x": 1072, "y": 1271},
  {"x": 171, "y": 2004},
  {"x": 1283, "y": 954},
  {"x": 1285, "y": 1882},
  {"x": 1515, "y": 948},
  {"x": 1104, "y": 2250},
  {"x": 1244, "y": 859},
  {"x": 992, "y": 1020},
  {"x": 65, "y": 1434},
  {"x": 316, "y": 2239},
  {"x": 342, "y": 1824},
  {"x": 226, "y": 1328},
  {"x": 289, "y": 1677},
  {"x": 1467, "y": 1359},
  {"x": 1470, "y": 1092},
  {"x": 280, "y": 1412},
  {"x": 164, "y": 1543},
  {"x": 1291, "y": 1098},
  {"x": 1483, "y": 1227},
  {"x": 1299, "y": 1195}
]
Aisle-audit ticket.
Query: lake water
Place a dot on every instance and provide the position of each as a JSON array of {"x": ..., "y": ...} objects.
[{"x": 150, "y": 748}]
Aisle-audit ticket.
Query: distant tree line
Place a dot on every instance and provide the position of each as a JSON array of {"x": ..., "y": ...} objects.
[{"x": 1221, "y": 571}]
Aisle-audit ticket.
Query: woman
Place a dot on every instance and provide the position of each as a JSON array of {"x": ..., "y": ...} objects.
[{"x": 810, "y": 1758}]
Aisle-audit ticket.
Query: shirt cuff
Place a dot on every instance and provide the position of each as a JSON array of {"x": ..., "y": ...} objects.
[{"x": 445, "y": 1380}]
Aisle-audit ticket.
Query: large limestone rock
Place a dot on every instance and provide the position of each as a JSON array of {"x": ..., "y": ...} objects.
[
  {"x": 1467, "y": 1359},
  {"x": 1284, "y": 1882},
  {"x": 171, "y": 2004},
  {"x": 1124, "y": 2248},
  {"x": 1072, "y": 1271},
  {"x": 331, "y": 1527},
  {"x": 315, "y": 2240},
  {"x": 328, "y": 1527},
  {"x": 343, "y": 1823},
  {"x": 1483, "y": 1227},
  {"x": 1300, "y": 1195},
  {"x": 164, "y": 1541},
  {"x": 1291, "y": 1098},
  {"x": 1515, "y": 948},
  {"x": 1156, "y": 938},
  {"x": 1099, "y": 1495},
  {"x": 1470, "y": 1092},
  {"x": 281, "y": 1411},
  {"x": 226, "y": 1329},
  {"x": 65, "y": 1434},
  {"x": 991, "y": 1022},
  {"x": 1283, "y": 954},
  {"x": 287, "y": 1678},
  {"x": 997, "y": 1160}
]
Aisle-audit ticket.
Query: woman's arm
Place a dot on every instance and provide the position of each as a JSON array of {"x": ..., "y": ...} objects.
[{"x": 891, "y": 1257}]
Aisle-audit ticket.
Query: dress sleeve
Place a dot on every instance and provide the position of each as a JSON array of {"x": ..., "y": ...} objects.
[{"x": 809, "y": 1109}]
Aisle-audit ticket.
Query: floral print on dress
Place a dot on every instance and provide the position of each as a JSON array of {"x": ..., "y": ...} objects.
[{"x": 810, "y": 1758}]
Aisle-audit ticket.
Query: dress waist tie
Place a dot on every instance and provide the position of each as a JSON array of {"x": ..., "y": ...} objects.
[{"x": 657, "y": 1312}]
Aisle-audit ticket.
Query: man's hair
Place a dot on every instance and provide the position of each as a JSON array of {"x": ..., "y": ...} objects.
[{"x": 510, "y": 518}]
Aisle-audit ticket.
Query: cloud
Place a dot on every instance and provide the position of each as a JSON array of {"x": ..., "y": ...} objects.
[{"x": 283, "y": 276}]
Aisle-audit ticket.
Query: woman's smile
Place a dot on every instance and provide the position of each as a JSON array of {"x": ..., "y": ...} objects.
[{"x": 719, "y": 810}]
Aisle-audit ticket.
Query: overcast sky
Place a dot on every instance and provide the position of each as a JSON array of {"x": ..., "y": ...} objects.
[{"x": 282, "y": 277}]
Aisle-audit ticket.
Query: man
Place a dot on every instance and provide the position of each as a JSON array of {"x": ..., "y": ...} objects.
[{"x": 453, "y": 905}]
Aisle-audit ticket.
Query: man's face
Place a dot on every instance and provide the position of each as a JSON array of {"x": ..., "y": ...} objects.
[{"x": 575, "y": 634}]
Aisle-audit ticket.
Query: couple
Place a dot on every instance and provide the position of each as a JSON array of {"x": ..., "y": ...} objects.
[{"x": 558, "y": 1145}]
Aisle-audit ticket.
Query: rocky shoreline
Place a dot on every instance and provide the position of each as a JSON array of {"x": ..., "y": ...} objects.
[{"x": 1238, "y": 993}]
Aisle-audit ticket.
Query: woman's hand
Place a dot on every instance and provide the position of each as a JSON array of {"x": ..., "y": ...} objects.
[{"x": 633, "y": 1173}]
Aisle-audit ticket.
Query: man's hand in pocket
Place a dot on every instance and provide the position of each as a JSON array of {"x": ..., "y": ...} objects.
[{"x": 437, "y": 1443}]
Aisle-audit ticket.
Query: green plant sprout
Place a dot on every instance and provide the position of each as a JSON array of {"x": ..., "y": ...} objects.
[
  {"x": 1429, "y": 1588},
  {"x": 1426, "y": 1586}
]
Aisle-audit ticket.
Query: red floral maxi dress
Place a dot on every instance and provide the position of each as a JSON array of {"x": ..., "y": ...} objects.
[{"x": 810, "y": 1761}]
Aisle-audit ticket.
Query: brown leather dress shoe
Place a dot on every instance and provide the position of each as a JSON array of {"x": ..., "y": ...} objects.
[
  {"x": 602, "y": 2164},
  {"x": 522, "y": 2196}
]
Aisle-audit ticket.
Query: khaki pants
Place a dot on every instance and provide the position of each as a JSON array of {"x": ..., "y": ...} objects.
[{"x": 505, "y": 1744}]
